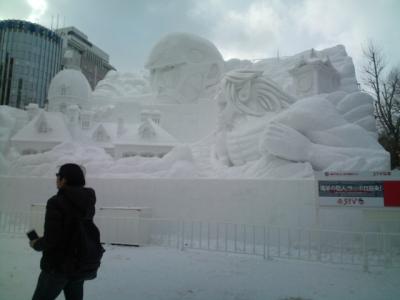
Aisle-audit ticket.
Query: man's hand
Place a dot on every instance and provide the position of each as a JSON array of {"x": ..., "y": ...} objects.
[{"x": 32, "y": 243}]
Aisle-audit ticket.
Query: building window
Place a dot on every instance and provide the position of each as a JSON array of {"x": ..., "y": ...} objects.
[
  {"x": 63, "y": 107},
  {"x": 85, "y": 124},
  {"x": 129, "y": 154},
  {"x": 28, "y": 151},
  {"x": 63, "y": 90}
]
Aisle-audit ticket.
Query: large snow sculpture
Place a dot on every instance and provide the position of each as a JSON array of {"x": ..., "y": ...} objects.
[
  {"x": 259, "y": 122},
  {"x": 184, "y": 67},
  {"x": 68, "y": 87},
  {"x": 116, "y": 85},
  {"x": 314, "y": 76}
]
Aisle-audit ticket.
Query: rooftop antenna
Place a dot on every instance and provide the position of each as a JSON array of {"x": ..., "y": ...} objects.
[
  {"x": 58, "y": 19},
  {"x": 52, "y": 19},
  {"x": 64, "y": 22}
]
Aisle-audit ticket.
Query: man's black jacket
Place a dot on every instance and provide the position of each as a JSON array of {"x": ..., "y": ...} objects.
[{"x": 61, "y": 209}]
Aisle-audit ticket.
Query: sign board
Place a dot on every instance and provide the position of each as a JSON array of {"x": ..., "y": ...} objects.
[{"x": 359, "y": 189}]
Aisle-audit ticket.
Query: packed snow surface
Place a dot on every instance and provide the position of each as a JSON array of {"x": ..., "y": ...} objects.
[{"x": 156, "y": 273}]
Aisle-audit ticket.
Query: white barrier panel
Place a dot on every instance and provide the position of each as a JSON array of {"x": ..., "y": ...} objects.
[
  {"x": 123, "y": 225},
  {"x": 273, "y": 202},
  {"x": 286, "y": 202},
  {"x": 343, "y": 247},
  {"x": 36, "y": 217},
  {"x": 117, "y": 225}
]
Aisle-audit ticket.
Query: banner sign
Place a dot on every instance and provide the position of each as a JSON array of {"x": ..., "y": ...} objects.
[{"x": 364, "y": 189}]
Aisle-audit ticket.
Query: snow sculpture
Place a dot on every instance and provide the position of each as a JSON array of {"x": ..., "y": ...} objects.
[
  {"x": 101, "y": 135},
  {"x": 109, "y": 86},
  {"x": 115, "y": 85},
  {"x": 68, "y": 87},
  {"x": 32, "y": 109},
  {"x": 280, "y": 69},
  {"x": 73, "y": 113},
  {"x": 8, "y": 124},
  {"x": 184, "y": 67},
  {"x": 259, "y": 122},
  {"x": 146, "y": 131},
  {"x": 314, "y": 76},
  {"x": 85, "y": 119},
  {"x": 154, "y": 115},
  {"x": 358, "y": 108},
  {"x": 245, "y": 99},
  {"x": 120, "y": 127},
  {"x": 41, "y": 124}
]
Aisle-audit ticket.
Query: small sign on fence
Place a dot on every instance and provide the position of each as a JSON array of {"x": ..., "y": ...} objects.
[{"x": 363, "y": 189}]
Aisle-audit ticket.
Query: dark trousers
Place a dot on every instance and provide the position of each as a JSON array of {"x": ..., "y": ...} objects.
[{"x": 50, "y": 285}]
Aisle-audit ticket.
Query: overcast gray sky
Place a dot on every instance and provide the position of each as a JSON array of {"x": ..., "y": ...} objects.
[{"x": 246, "y": 29}]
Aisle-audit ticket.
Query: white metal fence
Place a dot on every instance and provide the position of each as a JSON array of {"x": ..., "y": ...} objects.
[
  {"x": 14, "y": 222},
  {"x": 366, "y": 249},
  {"x": 330, "y": 246}
]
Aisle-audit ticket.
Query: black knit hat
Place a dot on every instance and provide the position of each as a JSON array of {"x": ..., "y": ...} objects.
[{"x": 73, "y": 174}]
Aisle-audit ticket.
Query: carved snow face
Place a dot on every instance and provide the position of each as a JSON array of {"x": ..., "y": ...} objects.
[
  {"x": 182, "y": 67},
  {"x": 181, "y": 83}
]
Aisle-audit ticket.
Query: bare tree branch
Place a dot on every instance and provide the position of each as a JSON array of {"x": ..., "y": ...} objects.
[{"x": 386, "y": 90}]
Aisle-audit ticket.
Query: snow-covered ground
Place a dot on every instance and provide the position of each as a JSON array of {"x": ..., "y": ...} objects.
[{"x": 161, "y": 273}]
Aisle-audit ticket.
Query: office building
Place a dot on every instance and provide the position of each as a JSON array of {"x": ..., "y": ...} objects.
[
  {"x": 93, "y": 62},
  {"x": 30, "y": 55}
]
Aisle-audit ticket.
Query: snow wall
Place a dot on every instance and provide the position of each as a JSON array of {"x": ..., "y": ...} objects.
[{"x": 275, "y": 202}]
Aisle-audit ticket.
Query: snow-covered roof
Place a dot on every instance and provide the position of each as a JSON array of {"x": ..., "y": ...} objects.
[
  {"x": 137, "y": 135},
  {"x": 69, "y": 83},
  {"x": 45, "y": 127},
  {"x": 9, "y": 115},
  {"x": 105, "y": 134}
]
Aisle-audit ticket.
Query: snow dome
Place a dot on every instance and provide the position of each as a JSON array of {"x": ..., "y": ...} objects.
[{"x": 68, "y": 87}]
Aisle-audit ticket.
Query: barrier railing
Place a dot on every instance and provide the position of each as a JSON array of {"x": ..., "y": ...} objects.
[
  {"x": 341, "y": 247},
  {"x": 15, "y": 222},
  {"x": 366, "y": 249}
]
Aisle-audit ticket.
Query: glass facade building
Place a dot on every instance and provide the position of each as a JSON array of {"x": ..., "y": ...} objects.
[
  {"x": 93, "y": 62},
  {"x": 30, "y": 56}
]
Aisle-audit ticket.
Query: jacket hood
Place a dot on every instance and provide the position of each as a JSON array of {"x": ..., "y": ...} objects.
[{"x": 82, "y": 200}]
